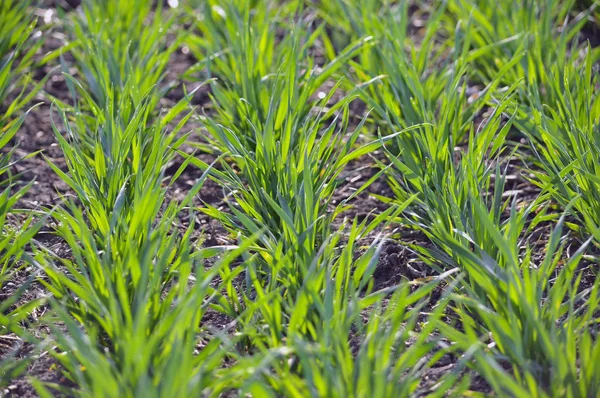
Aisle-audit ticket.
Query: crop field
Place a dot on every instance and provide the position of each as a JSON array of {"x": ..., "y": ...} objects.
[{"x": 299, "y": 198}]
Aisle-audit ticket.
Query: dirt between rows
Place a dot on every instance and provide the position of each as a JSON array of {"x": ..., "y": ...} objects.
[{"x": 397, "y": 260}]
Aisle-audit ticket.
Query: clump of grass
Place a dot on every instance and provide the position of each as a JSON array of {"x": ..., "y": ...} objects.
[
  {"x": 286, "y": 183},
  {"x": 288, "y": 154},
  {"x": 565, "y": 135},
  {"x": 317, "y": 334},
  {"x": 121, "y": 50},
  {"x": 16, "y": 233},
  {"x": 499, "y": 31},
  {"x": 238, "y": 41},
  {"x": 515, "y": 39},
  {"x": 404, "y": 77},
  {"x": 114, "y": 160},
  {"x": 396, "y": 76},
  {"x": 18, "y": 45},
  {"x": 248, "y": 63},
  {"x": 132, "y": 312},
  {"x": 504, "y": 293},
  {"x": 13, "y": 237},
  {"x": 528, "y": 325},
  {"x": 444, "y": 176}
]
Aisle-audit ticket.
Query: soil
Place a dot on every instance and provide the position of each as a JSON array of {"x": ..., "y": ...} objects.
[{"x": 398, "y": 260}]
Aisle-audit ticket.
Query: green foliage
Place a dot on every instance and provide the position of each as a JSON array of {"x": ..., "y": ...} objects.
[
  {"x": 18, "y": 45},
  {"x": 518, "y": 51},
  {"x": 445, "y": 177},
  {"x": 395, "y": 76},
  {"x": 252, "y": 67},
  {"x": 534, "y": 335},
  {"x": 287, "y": 155},
  {"x": 122, "y": 50},
  {"x": 117, "y": 157},
  {"x": 565, "y": 135},
  {"x": 324, "y": 344},
  {"x": 285, "y": 184},
  {"x": 499, "y": 31},
  {"x": 133, "y": 311},
  {"x": 142, "y": 306}
]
